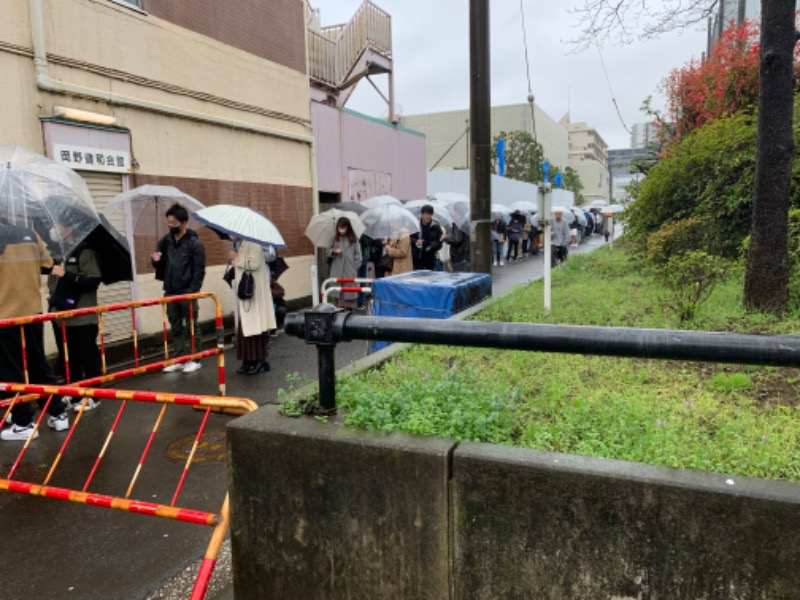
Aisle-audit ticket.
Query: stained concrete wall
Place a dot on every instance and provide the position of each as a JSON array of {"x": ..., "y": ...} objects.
[{"x": 322, "y": 511}]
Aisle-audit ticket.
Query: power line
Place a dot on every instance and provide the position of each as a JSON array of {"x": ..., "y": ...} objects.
[{"x": 611, "y": 91}]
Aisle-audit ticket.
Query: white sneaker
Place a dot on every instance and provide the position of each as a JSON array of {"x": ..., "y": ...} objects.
[
  {"x": 59, "y": 423},
  {"x": 173, "y": 368},
  {"x": 191, "y": 366},
  {"x": 19, "y": 433},
  {"x": 502, "y": 263},
  {"x": 494, "y": 264},
  {"x": 91, "y": 404}
]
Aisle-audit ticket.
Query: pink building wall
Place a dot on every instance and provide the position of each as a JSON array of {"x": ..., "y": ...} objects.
[{"x": 361, "y": 156}]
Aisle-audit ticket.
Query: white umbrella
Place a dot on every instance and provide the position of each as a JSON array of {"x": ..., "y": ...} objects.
[
  {"x": 612, "y": 208},
  {"x": 381, "y": 200},
  {"x": 242, "y": 222},
  {"x": 322, "y": 227},
  {"x": 525, "y": 206},
  {"x": 579, "y": 215},
  {"x": 148, "y": 203},
  {"x": 569, "y": 217},
  {"x": 36, "y": 193},
  {"x": 597, "y": 204},
  {"x": 389, "y": 221},
  {"x": 448, "y": 198},
  {"x": 501, "y": 211}
]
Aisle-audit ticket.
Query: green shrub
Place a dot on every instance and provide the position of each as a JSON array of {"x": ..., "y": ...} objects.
[{"x": 689, "y": 279}]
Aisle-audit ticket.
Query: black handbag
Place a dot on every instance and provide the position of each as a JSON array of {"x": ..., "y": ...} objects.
[{"x": 246, "y": 287}]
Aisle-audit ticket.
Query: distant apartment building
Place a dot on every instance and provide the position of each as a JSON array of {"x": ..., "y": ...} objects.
[
  {"x": 447, "y": 133},
  {"x": 732, "y": 11},
  {"x": 622, "y": 172},
  {"x": 643, "y": 135},
  {"x": 176, "y": 95},
  {"x": 588, "y": 156}
]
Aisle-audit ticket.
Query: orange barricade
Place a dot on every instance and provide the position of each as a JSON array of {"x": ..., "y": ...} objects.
[
  {"x": 26, "y": 392},
  {"x": 138, "y": 369},
  {"x": 219, "y": 521}
]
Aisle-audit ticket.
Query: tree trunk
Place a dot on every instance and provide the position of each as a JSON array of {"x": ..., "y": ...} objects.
[{"x": 767, "y": 276}]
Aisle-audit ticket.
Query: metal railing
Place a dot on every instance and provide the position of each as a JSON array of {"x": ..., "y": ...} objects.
[
  {"x": 334, "y": 50},
  {"x": 326, "y": 326}
]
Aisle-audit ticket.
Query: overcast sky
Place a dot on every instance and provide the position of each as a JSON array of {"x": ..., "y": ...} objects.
[{"x": 431, "y": 62}]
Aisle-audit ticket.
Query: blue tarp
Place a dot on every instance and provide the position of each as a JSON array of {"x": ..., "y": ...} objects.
[{"x": 427, "y": 294}]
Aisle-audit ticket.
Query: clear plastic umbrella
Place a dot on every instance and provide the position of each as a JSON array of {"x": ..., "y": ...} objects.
[
  {"x": 501, "y": 211},
  {"x": 448, "y": 198},
  {"x": 567, "y": 214},
  {"x": 440, "y": 213},
  {"x": 322, "y": 227},
  {"x": 390, "y": 221},
  {"x": 525, "y": 206},
  {"x": 242, "y": 222},
  {"x": 612, "y": 209},
  {"x": 148, "y": 203},
  {"x": 381, "y": 200},
  {"x": 355, "y": 207},
  {"x": 37, "y": 193},
  {"x": 579, "y": 216}
]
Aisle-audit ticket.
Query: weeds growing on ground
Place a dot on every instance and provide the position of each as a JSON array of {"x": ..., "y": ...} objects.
[{"x": 725, "y": 418}]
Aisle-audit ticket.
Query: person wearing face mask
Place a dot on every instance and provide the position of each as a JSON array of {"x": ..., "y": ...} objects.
[
  {"x": 73, "y": 285},
  {"x": 180, "y": 262},
  {"x": 344, "y": 253}
]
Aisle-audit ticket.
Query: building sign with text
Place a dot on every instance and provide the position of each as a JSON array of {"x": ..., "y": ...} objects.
[
  {"x": 92, "y": 159},
  {"x": 88, "y": 148}
]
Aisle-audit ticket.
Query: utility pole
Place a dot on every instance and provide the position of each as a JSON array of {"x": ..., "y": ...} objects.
[{"x": 480, "y": 142}]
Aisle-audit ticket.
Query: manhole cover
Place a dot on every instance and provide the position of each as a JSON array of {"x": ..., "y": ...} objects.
[{"x": 210, "y": 449}]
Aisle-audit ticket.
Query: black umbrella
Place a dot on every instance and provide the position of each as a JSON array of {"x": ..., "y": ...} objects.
[
  {"x": 112, "y": 252},
  {"x": 277, "y": 268}
]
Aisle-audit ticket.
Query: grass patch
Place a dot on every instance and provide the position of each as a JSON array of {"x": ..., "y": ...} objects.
[{"x": 724, "y": 418}]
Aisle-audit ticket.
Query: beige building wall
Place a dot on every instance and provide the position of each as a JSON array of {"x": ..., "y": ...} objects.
[
  {"x": 115, "y": 50},
  {"x": 443, "y": 129},
  {"x": 588, "y": 155}
]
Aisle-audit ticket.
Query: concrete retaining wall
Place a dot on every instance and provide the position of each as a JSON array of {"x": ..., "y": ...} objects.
[{"x": 321, "y": 511}]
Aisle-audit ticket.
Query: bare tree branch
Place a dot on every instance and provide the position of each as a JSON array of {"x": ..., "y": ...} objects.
[{"x": 622, "y": 22}]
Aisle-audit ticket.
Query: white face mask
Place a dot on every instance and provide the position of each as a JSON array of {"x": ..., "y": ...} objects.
[
  {"x": 342, "y": 231},
  {"x": 55, "y": 236}
]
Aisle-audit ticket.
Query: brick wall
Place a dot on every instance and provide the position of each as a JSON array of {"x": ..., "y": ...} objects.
[
  {"x": 274, "y": 29},
  {"x": 288, "y": 207}
]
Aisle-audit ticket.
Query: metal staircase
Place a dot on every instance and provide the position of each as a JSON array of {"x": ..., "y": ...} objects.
[{"x": 340, "y": 56}]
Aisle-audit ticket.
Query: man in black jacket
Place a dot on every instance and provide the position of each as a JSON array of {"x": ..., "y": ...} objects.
[
  {"x": 426, "y": 243},
  {"x": 180, "y": 262}
]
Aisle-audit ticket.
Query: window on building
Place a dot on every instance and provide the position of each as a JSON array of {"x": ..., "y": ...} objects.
[{"x": 134, "y": 3}]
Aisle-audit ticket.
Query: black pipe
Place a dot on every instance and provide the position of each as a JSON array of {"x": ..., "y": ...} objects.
[
  {"x": 773, "y": 350},
  {"x": 327, "y": 377}
]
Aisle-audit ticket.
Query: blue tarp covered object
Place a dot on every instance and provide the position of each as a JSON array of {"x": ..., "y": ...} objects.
[{"x": 427, "y": 294}]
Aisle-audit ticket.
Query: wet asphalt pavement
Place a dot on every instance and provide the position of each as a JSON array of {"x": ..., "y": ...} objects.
[{"x": 55, "y": 549}]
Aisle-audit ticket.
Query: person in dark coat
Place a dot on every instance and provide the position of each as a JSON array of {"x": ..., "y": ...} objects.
[
  {"x": 514, "y": 231},
  {"x": 459, "y": 249},
  {"x": 180, "y": 262},
  {"x": 426, "y": 243}
]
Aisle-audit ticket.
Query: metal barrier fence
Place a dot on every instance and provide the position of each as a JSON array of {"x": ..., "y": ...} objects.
[
  {"x": 219, "y": 521},
  {"x": 335, "y": 285},
  {"x": 26, "y": 392},
  {"x": 106, "y": 377},
  {"x": 326, "y": 326}
]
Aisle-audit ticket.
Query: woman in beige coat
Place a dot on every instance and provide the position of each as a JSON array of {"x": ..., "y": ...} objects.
[
  {"x": 256, "y": 315},
  {"x": 400, "y": 251}
]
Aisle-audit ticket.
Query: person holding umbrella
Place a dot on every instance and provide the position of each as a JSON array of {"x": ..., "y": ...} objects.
[
  {"x": 73, "y": 285},
  {"x": 23, "y": 259},
  {"x": 344, "y": 253},
  {"x": 256, "y": 314},
  {"x": 180, "y": 262}
]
